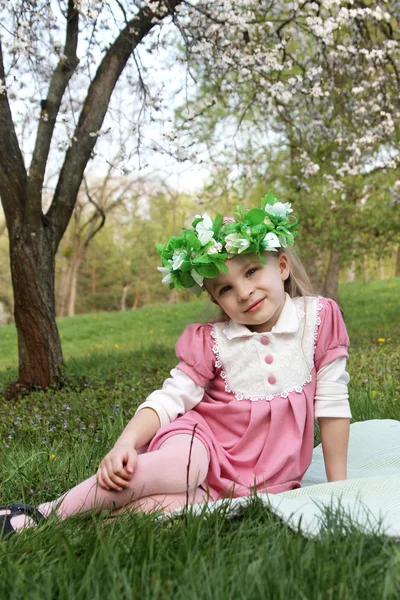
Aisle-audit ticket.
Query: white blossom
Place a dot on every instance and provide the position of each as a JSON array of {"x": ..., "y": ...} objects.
[
  {"x": 235, "y": 244},
  {"x": 198, "y": 278},
  {"x": 166, "y": 272},
  {"x": 272, "y": 242},
  {"x": 178, "y": 258},
  {"x": 204, "y": 229},
  {"x": 279, "y": 209},
  {"x": 215, "y": 248}
]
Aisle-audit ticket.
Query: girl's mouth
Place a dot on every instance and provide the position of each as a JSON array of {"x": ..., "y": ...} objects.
[{"x": 256, "y": 306}]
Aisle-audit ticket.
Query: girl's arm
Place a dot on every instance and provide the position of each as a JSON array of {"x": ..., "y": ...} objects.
[
  {"x": 140, "y": 429},
  {"x": 335, "y": 439},
  {"x": 116, "y": 469}
]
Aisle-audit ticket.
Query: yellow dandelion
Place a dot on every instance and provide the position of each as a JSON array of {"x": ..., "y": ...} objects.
[
  {"x": 373, "y": 394},
  {"x": 150, "y": 331},
  {"x": 53, "y": 457},
  {"x": 116, "y": 345},
  {"x": 381, "y": 340}
]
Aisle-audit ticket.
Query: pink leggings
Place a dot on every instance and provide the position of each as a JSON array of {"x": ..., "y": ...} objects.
[{"x": 160, "y": 481}]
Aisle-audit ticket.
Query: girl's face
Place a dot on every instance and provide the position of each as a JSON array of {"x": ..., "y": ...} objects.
[{"x": 251, "y": 293}]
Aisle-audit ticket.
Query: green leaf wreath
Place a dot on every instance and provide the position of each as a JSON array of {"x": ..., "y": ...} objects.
[{"x": 201, "y": 252}]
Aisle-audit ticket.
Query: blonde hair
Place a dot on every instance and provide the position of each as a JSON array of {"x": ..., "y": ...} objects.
[{"x": 298, "y": 282}]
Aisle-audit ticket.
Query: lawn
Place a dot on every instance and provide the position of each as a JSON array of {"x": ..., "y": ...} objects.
[{"x": 50, "y": 441}]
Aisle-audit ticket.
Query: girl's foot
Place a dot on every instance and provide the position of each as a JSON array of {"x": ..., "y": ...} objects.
[{"x": 14, "y": 517}]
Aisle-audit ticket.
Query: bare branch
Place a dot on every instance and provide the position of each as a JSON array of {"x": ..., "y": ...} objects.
[
  {"x": 13, "y": 177},
  {"x": 94, "y": 111},
  {"x": 99, "y": 213},
  {"x": 51, "y": 105}
]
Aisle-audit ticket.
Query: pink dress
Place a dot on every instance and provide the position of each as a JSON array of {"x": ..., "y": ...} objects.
[{"x": 257, "y": 414}]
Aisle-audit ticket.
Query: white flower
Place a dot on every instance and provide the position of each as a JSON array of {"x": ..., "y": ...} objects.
[
  {"x": 215, "y": 248},
  {"x": 198, "y": 278},
  {"x": 235, "y": 244},
  {"x": 177, "y": 259},
  {"x": 167, "y": 277},
  {"x": 204, "y": 229},
  {"x": 279, "y": 209},
  {"x": 272, "y": 242}
]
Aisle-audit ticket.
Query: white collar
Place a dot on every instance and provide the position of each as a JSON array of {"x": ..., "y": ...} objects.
[{"x": 288, "y": 322}]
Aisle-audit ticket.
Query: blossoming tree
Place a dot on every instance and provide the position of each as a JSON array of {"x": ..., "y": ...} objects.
[
  {"x": 33, "y": 61},
  {"x": 323, "y": 86}
]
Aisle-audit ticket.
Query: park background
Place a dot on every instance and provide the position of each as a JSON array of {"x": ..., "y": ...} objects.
[{"x": 217, "y": 103}]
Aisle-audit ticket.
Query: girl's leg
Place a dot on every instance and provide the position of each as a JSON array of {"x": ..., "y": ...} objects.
[
  {"x": 164, "y": 471},
  {"x": 164, "y": 502}
]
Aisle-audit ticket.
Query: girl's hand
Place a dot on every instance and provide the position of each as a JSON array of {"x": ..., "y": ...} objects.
[{"x": 116, "y": 468}]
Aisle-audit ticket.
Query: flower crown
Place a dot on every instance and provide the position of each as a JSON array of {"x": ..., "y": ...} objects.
[{"x": 201, "y": 252}]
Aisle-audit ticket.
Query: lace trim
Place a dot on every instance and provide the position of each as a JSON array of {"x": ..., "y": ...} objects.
[{"x": 285, "y": 394}]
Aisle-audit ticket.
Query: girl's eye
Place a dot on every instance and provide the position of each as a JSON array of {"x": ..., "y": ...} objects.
[
  {"x": 251, "y": 271},
  {"x": 226, "y": 288}
]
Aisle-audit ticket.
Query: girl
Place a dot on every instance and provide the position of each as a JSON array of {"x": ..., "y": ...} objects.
[{"x": 237, "y": 414}]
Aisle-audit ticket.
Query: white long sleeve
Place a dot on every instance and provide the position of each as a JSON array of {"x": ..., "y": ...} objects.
[
  {"x": 179, "y": 394},
  {"x": 331, "y": 394}
]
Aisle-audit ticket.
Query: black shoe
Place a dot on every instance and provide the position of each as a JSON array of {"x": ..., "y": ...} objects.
[{"x": 6, "y": 529}]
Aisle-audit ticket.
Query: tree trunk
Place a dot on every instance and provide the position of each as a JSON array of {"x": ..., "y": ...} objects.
[
  {"x": 63, "y": 289},
  {"x": 366, "y": 269},
  {"x": 72, "y": 289},
  {"x": 331, "y": 283},
  {"x": 93, "y": 280},
  {"x": 124, "y": 294},
  {"x": 351, "y": 272},
  {"x": 32, "y": 272},
  {"x": 397, "y": 268},
  {"x": 173, "y": 296},
  {"x": 75, "y": 264},
  {"x": 137, "y": 297},
  {"x": 315, "y": 268},
  {"x": 381, "y": 268}
]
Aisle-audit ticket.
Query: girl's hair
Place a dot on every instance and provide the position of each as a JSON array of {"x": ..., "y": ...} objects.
[{"x": 298, "y": 283}]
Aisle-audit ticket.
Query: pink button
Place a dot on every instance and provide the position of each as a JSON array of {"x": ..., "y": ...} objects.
[
  {"x": 264, "y": 340},
  {"x": 269, "y": 359},
  {"x": 272, "y": 379}
]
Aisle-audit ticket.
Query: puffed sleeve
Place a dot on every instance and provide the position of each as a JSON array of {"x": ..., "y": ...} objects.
[
  {"x": 179, "y": 394},
  {"x": 184, "y": 389},
  {"x": 331, "y": 395},
  {"x": 332, "y": 341},
  {"x": 194, "y": 351}
]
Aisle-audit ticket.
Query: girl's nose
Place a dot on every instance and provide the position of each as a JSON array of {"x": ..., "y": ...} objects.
[{"x": 244, "y": 291}]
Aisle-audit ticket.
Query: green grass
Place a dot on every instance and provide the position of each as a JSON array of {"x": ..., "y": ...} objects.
[{"x": 50, "y": 441}]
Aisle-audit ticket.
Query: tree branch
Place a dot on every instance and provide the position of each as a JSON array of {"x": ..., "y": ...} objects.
[
  {"x": 13, "y": 177},
  {"x": 51, "y": 106},
  {"x": 94, "y": 111},
  {"x": 99, "y": 213}
]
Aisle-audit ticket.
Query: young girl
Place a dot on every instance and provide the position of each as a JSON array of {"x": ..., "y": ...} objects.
[{"x": 237, "y": 414}]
